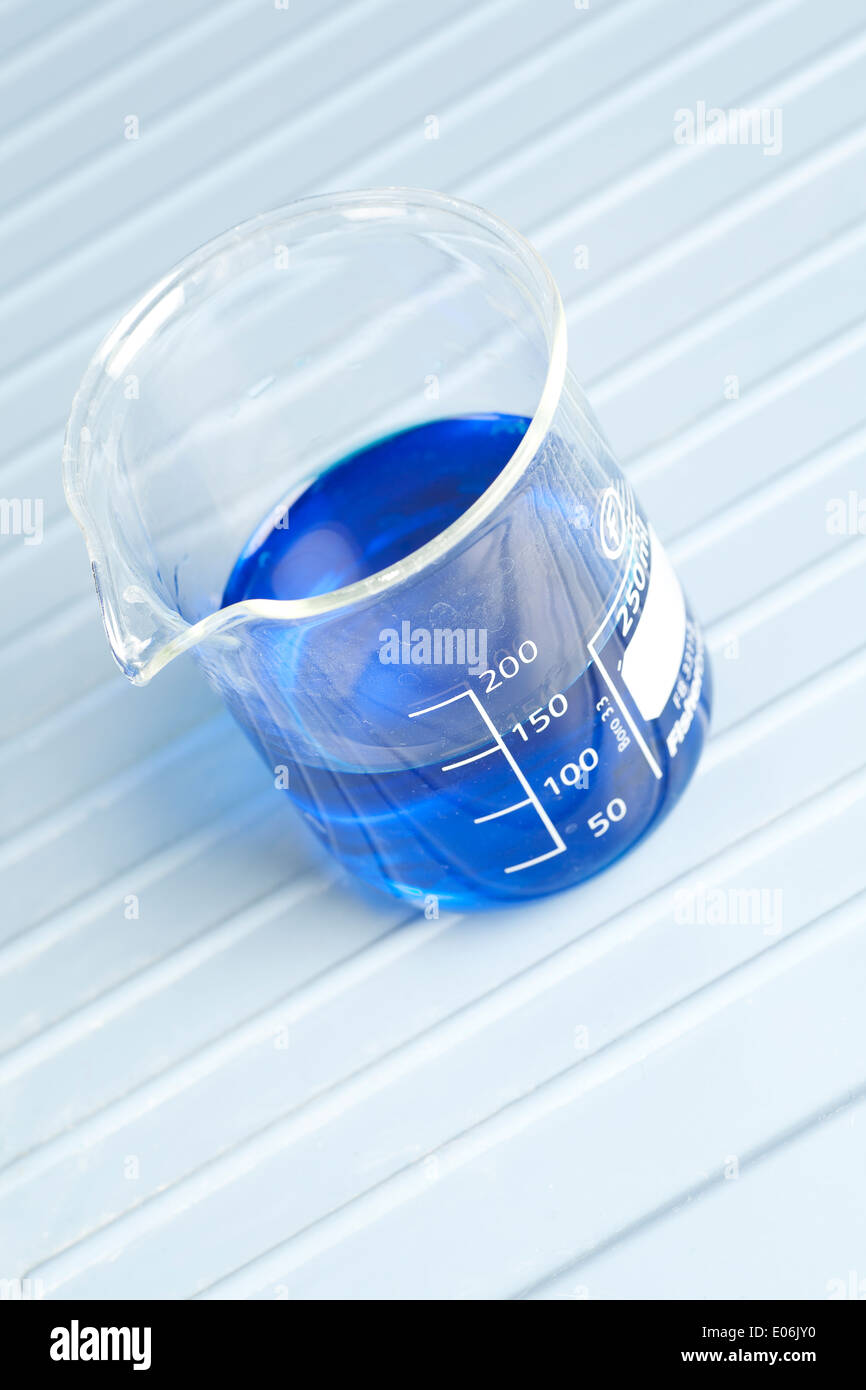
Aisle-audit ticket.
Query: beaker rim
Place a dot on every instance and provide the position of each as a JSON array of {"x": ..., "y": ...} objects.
[{"x": 156, "y": 302}]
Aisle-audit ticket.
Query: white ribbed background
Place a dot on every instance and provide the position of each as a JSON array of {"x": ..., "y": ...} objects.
[{"x": 430, "y": 1129}]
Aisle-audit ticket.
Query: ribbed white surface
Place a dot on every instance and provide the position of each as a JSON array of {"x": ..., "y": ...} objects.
[{"x": 267, "y": 1086}]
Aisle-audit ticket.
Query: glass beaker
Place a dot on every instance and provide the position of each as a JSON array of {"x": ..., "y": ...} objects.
[{"x": 513, "y": 703}]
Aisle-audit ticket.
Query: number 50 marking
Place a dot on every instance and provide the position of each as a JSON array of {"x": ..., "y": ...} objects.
[{"x": 600, "y": 824}]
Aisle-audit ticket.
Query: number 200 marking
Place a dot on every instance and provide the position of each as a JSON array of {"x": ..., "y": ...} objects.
[{"x": 509, "y": 665}]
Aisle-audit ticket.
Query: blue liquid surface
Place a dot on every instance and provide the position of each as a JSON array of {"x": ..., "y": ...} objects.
[
  {"x": 415, "y": 830},
  {"x": 372, "y": 509}
]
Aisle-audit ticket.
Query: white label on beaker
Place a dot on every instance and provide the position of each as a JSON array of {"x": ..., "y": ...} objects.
[{"x": 652, "y": 659}]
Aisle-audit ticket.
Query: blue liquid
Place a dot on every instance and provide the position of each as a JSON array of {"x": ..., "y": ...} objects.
[
  {"x": 375, "y": 507},
  {"x": 414, "y": 830}
]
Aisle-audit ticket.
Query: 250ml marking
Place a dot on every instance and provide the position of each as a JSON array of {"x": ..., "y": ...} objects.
[{"x": 626, "y": 606}]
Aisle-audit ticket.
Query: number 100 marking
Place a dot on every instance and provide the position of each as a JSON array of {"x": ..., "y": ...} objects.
[{"x": 574, "y": 774}]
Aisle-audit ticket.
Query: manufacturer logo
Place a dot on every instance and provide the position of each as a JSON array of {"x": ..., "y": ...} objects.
[{"x": 611, "y": 524}]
